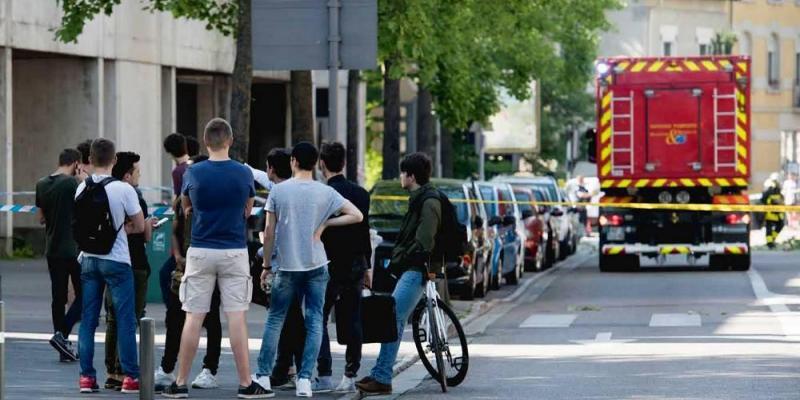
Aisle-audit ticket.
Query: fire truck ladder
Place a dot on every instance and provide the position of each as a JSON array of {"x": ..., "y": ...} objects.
[
  {"x": 720, "y": 132},
  {"x": 629, "y": 133}
]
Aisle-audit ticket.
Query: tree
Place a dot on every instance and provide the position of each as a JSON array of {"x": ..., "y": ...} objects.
[
  {"x": 302, "y": 107},
  {"x": 353, "y": 83},
  {"x": 242, "y": 83}
]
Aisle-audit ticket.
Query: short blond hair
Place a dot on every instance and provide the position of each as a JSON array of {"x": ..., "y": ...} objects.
[{"x": 217, "y": 133}]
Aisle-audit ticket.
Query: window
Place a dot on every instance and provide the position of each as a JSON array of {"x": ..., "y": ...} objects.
[
  {"x": 745, "y": 44},
  {"x": 703, "y": 49},
  {"x": 667, "y": 49},
  {"x": 773, "y": 61}
]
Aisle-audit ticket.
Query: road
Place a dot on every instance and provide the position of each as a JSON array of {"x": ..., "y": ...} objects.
[{"x": 664, "y": 333}]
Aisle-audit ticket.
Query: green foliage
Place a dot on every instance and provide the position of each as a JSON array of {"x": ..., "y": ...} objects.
[{"x": 218, "y": 15}]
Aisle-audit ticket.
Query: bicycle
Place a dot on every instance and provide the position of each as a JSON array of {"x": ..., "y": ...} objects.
[{"x": 432, "y": 337}]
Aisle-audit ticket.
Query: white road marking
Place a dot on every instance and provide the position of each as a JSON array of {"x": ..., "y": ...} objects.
[
  {"x": 602, "y": 338},
  {"x": 549, "y": 321},
  {"x": 674, "y": 320},
  {"x": 790, "y": 321}
]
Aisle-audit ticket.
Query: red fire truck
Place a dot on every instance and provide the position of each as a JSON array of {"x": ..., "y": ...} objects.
[{"x": 673, "y": 130}]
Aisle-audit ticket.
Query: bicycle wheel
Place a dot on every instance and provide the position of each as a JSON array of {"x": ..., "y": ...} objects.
[
  {"x": 437, "y": 345},
  {"x": 455, "y": 355}
]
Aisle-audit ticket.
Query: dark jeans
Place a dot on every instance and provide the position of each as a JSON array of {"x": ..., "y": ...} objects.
[
  {"x": 291, "y": 344},
  {"x": 346, "y": 288},
  {"x": 140, "y": 298},
  {"x": 62, "y": 271},
  {"x": 175, "y": 318}
]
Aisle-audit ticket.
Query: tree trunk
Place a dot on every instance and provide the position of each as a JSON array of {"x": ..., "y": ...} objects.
[
  {"x": 353, "y": 81},
  {"x": 302, "y": 108},
  {"x": 426, "y": 125},
  {"x": 242, "y": 81},
  {"x": 447, "y": 153},
  {"x": 391, "y": 125}
]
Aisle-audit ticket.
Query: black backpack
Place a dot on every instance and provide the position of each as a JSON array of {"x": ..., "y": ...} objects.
[
  {"x": 451, "y": 239},
  {"x": 92, "y": 222}
]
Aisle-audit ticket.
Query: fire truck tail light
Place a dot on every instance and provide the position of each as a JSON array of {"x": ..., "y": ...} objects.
[
  {"x": 611, "y": 220},
  {"x": 732, "y": 219}
]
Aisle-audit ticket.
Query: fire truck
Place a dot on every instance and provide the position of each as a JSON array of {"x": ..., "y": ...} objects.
[{"x": 673, "y": 130}]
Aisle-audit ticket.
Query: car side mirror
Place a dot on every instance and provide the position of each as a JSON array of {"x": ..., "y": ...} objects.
[
  {"x": 509, "y": 220},
  {"x": 495, "y": 221},
  {"x": 557, "y": 212},
  {"x": 527, "y": 214}
]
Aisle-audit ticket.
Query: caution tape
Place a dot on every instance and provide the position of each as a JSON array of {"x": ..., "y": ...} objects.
[
  {"x": 154, "y": 211},
  {"x": 638, "y": 206}
]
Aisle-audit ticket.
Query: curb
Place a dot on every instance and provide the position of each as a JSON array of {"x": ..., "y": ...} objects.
[{"x": 478, "y": 310}]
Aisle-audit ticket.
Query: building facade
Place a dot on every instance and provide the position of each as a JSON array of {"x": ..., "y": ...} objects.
[
  {"x": 769, "y": 31},
  {"x": 133, "y": 77}
]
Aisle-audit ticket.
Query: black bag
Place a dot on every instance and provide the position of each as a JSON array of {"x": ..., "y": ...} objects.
[
  {"x": 378, "y": 320},
  {"x": 451, "y": 239},
  {"x": 92, "y": 223}
]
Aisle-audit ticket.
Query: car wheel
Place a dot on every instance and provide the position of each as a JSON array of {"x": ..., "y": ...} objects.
[
  {"x": 563, "y": 249},
  {"x": 468, "y": 290},
  {"x": 549, "y": 254},
  {"x": 495, "y": 281},
  {"x": 512, "y": 278},
  {"x": 480, "y": 290}
]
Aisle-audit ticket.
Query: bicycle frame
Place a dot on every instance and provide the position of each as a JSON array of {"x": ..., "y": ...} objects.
[{"x": 432, "y": 298}]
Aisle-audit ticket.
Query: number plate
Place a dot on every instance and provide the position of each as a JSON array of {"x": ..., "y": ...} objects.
[{"x": 615, "y": 233}]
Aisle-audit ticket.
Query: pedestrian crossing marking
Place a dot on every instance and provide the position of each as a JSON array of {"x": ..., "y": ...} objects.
[
  {"x": 549, "y": 321},
  {"x": 675, "y": 320}
]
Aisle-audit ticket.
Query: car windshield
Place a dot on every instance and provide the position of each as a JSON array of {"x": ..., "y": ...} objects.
[
  {"x": 540, "y": 195},
  {"x": 524, "y": 200},
  {"x": 455, "y": 194},
  {"x": 387, "y": 214},
  {"x": 550, "y": 188},
  {"x": 487, "y": 194}
]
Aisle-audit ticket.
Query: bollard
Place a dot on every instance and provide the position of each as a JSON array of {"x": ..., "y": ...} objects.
[{"x": 147, "y": 333}]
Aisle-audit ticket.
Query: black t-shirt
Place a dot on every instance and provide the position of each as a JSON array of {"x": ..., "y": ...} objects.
[
  {"x": 136, "y": 243},
  {"x": 55, "y": 195}
]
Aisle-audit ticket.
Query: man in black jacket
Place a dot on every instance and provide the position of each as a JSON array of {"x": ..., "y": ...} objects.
[{"x": 349, "y": 250}]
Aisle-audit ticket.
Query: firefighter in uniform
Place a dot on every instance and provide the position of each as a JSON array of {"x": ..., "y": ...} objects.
[{"x": 774, "y": 219}]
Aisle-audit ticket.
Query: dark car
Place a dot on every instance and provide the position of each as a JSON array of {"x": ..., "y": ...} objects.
[{"x": 466, "y": 277}]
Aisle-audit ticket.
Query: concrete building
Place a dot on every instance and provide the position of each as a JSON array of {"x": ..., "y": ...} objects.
[
  {"x": 133, "y": 77},
  {"x": 769, "y": 31}
]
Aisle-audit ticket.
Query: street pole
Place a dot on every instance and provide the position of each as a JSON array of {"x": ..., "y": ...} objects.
[
  {"x": 2, "y": 350},
  {"x": 147, "y": 333},
  {"x": 438, "y": 148},
  {"x": 334, "y": 40},
  {"x": 481, "y": 154}
]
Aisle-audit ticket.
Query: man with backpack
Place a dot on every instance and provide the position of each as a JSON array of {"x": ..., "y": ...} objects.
[
  {"x": 411, "y": 261},
  {"x": 55, "y": 200},
  {"x": 102, "y": 204}
]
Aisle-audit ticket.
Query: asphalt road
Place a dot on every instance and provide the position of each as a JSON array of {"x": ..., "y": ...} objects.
[{"x": 663, "y": 333}]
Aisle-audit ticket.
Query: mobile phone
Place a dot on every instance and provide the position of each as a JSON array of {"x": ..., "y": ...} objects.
[{"x": 160, "y": 222}]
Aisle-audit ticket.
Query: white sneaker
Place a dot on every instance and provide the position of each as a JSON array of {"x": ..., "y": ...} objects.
[
  {"x": 303, "y": 388},
  {"x": 264, "y": 381},
  {"x": 347, "y": 385},
  {"x": 162, "y": 378},
  {"x": 205, "y": 380}
]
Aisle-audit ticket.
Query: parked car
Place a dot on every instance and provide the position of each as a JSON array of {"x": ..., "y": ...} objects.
[
  {"x": 578, "y": 227},
  {"x": 466, "y": 277},
  {"x": 505, "y": 218},
  {"x": 558, "y": 213},
  {"x": 536, "y": 232},
  {"x": 552, "y": 246}
]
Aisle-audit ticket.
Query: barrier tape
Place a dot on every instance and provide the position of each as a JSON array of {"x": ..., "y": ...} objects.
[{"x": 165, "y": 211}]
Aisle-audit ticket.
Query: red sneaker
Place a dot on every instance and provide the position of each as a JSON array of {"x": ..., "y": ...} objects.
[
  {"x": 130, "y": 385},
  {"x": 88, "y": 384}
]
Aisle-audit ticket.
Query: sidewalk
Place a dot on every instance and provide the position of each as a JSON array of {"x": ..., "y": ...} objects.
[{"x": 33, "y": 370}]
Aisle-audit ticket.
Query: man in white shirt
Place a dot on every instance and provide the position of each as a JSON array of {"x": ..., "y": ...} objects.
[{"x": 112, "y": 270}]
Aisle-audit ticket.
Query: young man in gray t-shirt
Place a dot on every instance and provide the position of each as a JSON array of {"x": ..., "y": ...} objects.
[{"x": 303, "y": 208}]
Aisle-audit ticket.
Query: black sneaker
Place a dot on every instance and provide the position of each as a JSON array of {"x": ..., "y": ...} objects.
[
  {"x": 63, "y": 346},
  {"x": 254, "y": 391},
  {"x": 113, "y": 384},
  {"x": 176, "y": 392}
]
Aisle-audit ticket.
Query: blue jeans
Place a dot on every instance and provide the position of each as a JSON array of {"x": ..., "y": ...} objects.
[
  {"x": 406, "y": 295},
  {"x": 309, "y": 287},
  {"x": 96, "y": 274}
]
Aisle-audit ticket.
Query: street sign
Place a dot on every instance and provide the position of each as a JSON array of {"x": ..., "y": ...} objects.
[{"x": 294, "y": 34}]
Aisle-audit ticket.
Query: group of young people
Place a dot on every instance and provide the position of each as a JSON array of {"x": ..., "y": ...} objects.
[{"x": 316, "y": 254}]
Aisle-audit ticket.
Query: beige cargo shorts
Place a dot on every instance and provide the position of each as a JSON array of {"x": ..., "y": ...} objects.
[{"x": 207, "y": 267}]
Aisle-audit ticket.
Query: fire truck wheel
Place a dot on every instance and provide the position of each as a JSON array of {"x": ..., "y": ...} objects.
[{"x": 740, "y": 262}]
